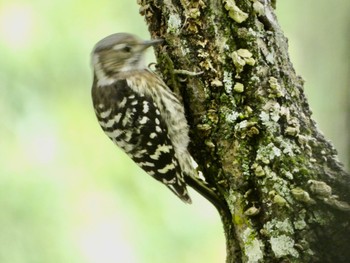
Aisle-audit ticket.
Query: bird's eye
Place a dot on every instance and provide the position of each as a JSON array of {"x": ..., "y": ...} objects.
[
  {"x": 127, "y": 49},
  {"x": 123, "y": 47}
]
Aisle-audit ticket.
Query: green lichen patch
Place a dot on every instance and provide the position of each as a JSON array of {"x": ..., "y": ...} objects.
[
  {"x": 268, "y": 153},
  {"x": 174, "y": 23},
  {"x": 280, "y": 232},
  {"x": 275, "y": 228},
  {"x": 259, "y": 8},
  {"x": 279, "y": 200},
  {"x": 252, "y": 211},
  {"x": 258, "y": 170},
  {"x": 228, "y": 81},
  {"x": 319, "y": 188},
  {"x": 238, "y": 87},
  {"x": 234, "y": 12},
  {"x": 283, "y": 246},
  {"x": 276, "y": 90},
  {"x": 240, "y": 58},
  {"x": 253, "y": 247},
  {"x": 302, "y": 196}
]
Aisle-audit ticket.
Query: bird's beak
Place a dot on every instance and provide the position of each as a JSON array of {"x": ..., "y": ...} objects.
[{"x": 152, "y": 42}]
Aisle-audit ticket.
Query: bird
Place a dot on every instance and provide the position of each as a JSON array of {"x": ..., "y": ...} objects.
[{"x": 139, "y": 112}]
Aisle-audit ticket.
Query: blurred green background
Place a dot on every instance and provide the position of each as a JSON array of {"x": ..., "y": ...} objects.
[{"x": 66, "y": 193}]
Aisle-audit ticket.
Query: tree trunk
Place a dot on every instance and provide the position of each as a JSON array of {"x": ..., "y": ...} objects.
[{"x": 252, "y": 134}]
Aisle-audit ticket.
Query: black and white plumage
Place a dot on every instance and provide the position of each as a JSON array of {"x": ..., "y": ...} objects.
[{"x": 139, "y": 113}]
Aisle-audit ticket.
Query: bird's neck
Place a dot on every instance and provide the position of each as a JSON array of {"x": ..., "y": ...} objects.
[{"x": 104, "y": 79}]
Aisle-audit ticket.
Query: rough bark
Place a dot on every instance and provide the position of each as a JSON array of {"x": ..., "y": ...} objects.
[{"x": 251, "y": 130}]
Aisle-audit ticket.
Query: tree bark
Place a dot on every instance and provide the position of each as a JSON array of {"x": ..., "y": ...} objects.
[{"x": 252, "y": 135}]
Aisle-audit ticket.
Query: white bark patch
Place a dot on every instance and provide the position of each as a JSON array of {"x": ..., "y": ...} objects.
[{"x": 283, "y": 246}]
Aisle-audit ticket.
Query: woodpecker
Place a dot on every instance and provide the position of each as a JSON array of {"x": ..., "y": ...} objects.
[{"x": 139, "y": 112}]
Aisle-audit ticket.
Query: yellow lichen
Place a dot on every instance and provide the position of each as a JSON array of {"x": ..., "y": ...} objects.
[
  {"x": 238, "y": 87},
  {"x": 252, "y": 211},
  {"x": 302, "y": 196},
  {"x": 234, "y": 12},
  {"x": 240, "y": 58}
]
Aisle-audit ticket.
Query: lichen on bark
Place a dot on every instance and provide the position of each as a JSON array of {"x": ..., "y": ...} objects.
[{"x": 251, "y": 126}]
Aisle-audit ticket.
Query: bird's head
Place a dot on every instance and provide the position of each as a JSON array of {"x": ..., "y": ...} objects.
[{"x": 120, "y": 52}]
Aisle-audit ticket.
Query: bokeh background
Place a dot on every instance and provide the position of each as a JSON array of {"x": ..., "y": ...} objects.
[{"x": 66, "y": 193}]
